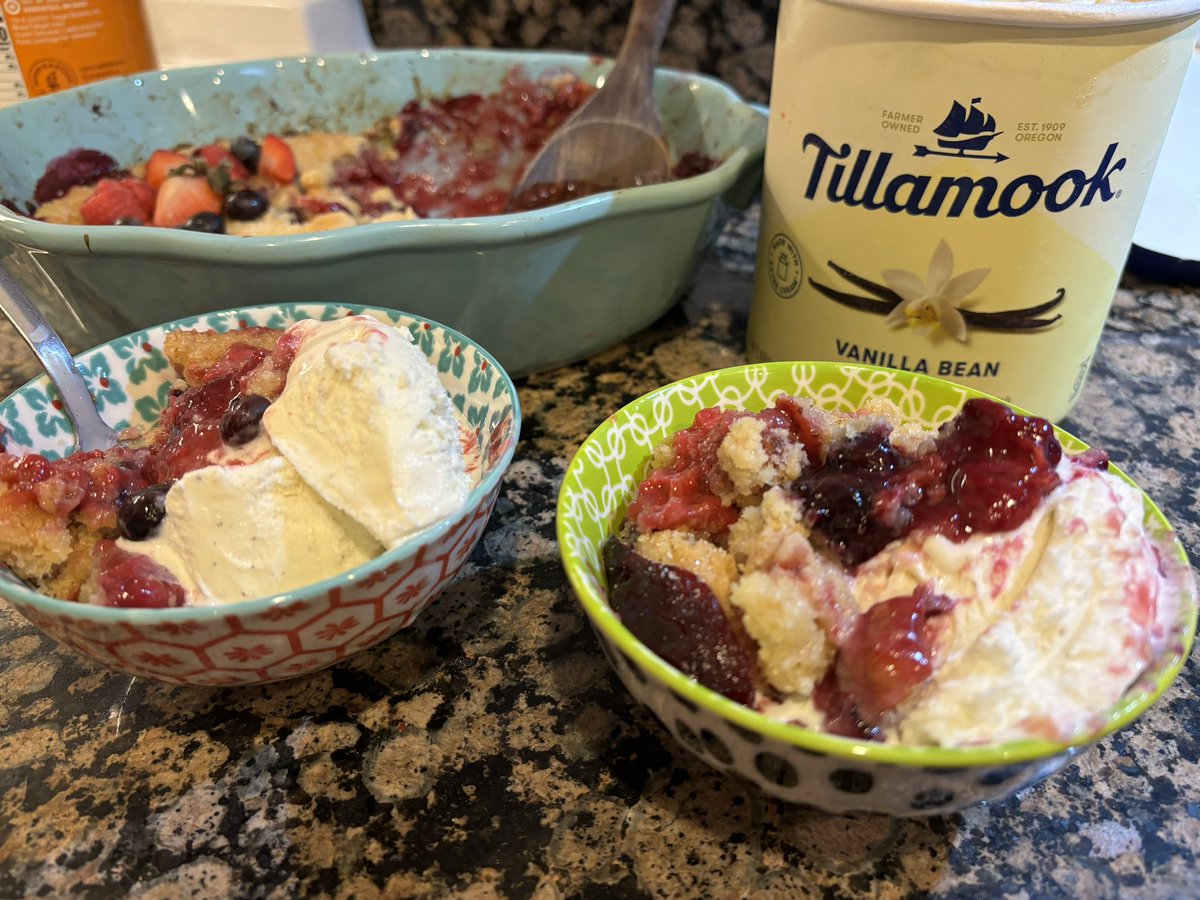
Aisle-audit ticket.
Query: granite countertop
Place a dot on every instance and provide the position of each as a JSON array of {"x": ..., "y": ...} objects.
[{"x": 488, "y": 751}]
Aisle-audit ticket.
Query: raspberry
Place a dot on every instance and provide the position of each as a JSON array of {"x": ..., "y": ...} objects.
[{"x": 71, "y": 169}]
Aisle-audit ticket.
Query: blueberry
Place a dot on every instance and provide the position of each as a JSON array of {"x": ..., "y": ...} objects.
[
  {"x": 141, "y": 513},
  {"x": 209, "y": 223},
  {"x": 246, "y": 205},
  {"x": 129, "y": 220},
  {"x": 247, "y": 151},
  {"x": 242, "y": 420}
]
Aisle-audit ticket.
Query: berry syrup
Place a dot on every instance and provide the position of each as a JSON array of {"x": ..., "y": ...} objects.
[
  {"x": 462, "y": 156},
  {"x": 686, "y": 494},
  {"x": 988, "y": 471}
]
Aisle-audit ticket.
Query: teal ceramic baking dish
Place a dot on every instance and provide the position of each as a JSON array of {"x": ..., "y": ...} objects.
[{"x": 538, "y": 288}]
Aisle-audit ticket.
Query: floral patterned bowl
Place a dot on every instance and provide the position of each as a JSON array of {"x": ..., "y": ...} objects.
[
  {"x": 272, "y": 638},
  {"x": 787, "y": 761}
]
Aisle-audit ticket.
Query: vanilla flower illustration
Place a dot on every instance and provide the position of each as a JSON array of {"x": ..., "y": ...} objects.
[{"x": 934, "y": 300}]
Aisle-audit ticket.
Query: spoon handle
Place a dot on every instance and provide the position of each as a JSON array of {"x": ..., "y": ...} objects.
[
  {"x": 91, "y": 431},
  {"x": 644, "y": 36}
]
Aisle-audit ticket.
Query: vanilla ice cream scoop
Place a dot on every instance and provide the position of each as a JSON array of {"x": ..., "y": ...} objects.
[
  {"x": 238, "y": 532},
  {"x": 361, "y": 449},
  {"x": 366, "y": 422},
  {"x": 1091, "y": 615}
]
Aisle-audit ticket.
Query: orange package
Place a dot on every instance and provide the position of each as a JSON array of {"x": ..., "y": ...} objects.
[{"x": 51, "y": 45}]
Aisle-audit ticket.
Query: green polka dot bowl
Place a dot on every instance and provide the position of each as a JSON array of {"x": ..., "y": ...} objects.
[
  {"x": 299, "y": 631},
  {"x": 788, "y": 761}
]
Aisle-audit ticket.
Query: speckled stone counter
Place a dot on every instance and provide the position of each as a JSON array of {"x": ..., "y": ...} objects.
[{"x": 488, "y": 751}]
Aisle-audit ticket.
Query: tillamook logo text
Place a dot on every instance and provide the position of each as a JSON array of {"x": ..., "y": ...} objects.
[{"x": 865, "y": 182}]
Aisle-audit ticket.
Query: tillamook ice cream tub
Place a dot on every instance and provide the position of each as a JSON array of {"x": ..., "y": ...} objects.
[{"x": 951, "y": 187}]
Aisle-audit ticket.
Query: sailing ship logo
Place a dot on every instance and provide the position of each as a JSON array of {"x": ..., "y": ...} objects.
[{"x": 965, "y": 133}]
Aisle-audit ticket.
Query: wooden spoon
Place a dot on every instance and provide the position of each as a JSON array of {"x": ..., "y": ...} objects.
[{"x": 615, "y": 140}]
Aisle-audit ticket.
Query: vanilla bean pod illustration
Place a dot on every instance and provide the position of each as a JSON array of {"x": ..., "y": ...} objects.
[{"x": 885, "y": 300}]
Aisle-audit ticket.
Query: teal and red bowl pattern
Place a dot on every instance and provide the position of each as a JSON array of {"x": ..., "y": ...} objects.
[
  {"x": 272, "y": 638},
  {"x": 787, "y": 761}
]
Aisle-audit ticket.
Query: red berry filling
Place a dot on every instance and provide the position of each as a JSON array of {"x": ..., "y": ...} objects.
[
  {"x": 675, "y": 614},
  {"x": 986, "y": 472},
  {"x": 682, "y": 495},
  {"x": 686, "y": 494},
  {"x": 121, "y": 490},
  {"x": 462, "y": 156},
  {"x": 887, "y": 654},
  {"x": 135, "y": 580},
  {"x": 90, "y": 485}
]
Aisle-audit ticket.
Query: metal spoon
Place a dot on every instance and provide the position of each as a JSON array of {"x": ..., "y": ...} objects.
[
  {"x": 615, "y": 139},
  {"x": 91, "y": 431}
]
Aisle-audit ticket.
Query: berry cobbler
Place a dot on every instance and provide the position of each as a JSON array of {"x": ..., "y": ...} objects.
[
  {"x": 281, "y": 459},
  {"x": 436, "y": 158},
  {"x": 857, "y": 574}
]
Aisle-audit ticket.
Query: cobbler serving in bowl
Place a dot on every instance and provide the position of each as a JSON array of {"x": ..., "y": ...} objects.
[
  {"x": 871, "y": 590},
  {"x": 298, "y": 483}
]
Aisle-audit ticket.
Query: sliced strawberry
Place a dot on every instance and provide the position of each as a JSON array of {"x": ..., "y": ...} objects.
[
  {"x": 143, "y": 192},
  {"x": 214, "y": 154},
  {"x": 160, "y": 164},
  {"x": 181, "y": 197},
  {"x": 277, "y": 161},
  {"x": 113, "y": 201}
]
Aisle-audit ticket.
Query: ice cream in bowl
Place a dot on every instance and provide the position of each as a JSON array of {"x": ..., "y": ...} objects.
[
  {"x": 293, "y": 483},
  {"x": 866, "y": 589}
]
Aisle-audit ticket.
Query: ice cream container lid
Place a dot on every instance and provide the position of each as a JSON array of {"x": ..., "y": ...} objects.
[{"x": 1037, "y": 13}]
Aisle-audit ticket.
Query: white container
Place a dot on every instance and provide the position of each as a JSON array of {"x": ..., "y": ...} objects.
[
  {"x": 207, "y": 32},
  {"x": 951, "y": 187}
]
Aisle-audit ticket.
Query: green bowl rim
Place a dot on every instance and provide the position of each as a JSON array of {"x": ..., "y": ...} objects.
[
  {"x": 10, "y": 589},
  {"x": 603, "y": 617},
  {"x": 411, "y": 234}
]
